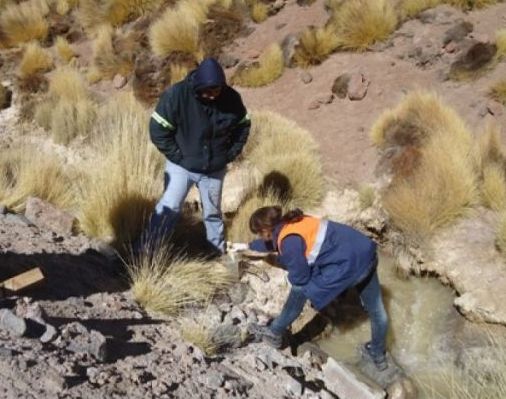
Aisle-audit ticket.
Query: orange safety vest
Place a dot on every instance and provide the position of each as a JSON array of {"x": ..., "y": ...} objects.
[{"x": 311, "y": 229}]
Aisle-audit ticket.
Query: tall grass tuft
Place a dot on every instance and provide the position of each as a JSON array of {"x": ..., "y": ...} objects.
[
  {"x": 269, "y": 68},
  {"x": 259, "y": 11},
  {"x": 64, "y": 49},
  {"x": 471, "y": 4},
  {"x": 27, "y": 171},
  {"x": 124, "y": 176},
  {"x": 500, "y": 237},
  {"x": 177, "y": 73},
  {"x": 35, "y": 60},
  {"x": 106, "y": 61},
  {"x": 178, "y": 29},
  {"x": 411, "y": 8},
  {"x": 69, "y": 110},
  {"x": 500, "y": 42},
  {"x": 315, "y": 45},
  {"x": 164, "y": 284},
  {"x": 24, "y": 22},
  {"x": 361, "y": 23},
  {"x": 498, "y": 91},
  {"x": 442, "y": 185}
]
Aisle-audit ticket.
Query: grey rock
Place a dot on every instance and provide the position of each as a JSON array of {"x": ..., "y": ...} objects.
[
  {"x": 293, "y": 387},
  {"x": 458, "y": 32},
  {"x": 321, "y": 100},
  {"x": 214, "y": 379},
  {"x": 18, "y": 219},
  {"x": 340, "y": 85},
  {"x": 46, "y": 215},
  {"x": 288, "y": 46},
  {"x": 475, "y": 56},
  {"x": 238, "y": 293},
  {"x": 12, "y": 323},
  {"x": 227, "y": 60},
  {"x": 357, "y": 87},
  {"x": 49, "y": 334},
  {"x": 306, "y": 77},
  {"x": 119, "y": 81},
  {"x": 80, "y": 340},
  {"x": 53, "y": 380}
]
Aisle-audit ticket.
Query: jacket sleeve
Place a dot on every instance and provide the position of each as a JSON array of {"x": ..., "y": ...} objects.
[
  {"x": 240, "y": 134},
  {"x": 162, "y": 127},
  {"x": 293, "y": 257}
]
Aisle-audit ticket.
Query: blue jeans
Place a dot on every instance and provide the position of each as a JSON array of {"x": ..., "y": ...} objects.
[
  {"x": 178, "y": 182},
  {"x": 369, "y": 291}
]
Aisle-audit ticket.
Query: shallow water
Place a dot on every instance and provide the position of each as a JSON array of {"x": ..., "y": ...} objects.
[{"x": 426, "y": 332}]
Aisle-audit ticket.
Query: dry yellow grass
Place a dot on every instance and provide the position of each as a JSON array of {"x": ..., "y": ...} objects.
[
  {"x": 63, "y": 7},
  {"x": 471, "y": 4},
  {"x": 500, "y": 41},
  {"x": 259, "y": 11},
  {"x": 493, "y": 187},
  {"x": 411, "y": 8},
  {"x": 120, "y": 11},
  {"x": 177, "y": 73},
  {"x": 105, "y": 59},
  {"x": 270, "y": 67},
  {"x": 366, "y": 196},
  {"x": 164, "y": 284},
  {"x": 498, "y": 91},
  {"x": 24, "y": 22},
  {"x": 178, "y": 28},
  {"x": 316, "y": 44},
  {"x": 125, "y": 175},
  {"x": 35, "y": 60},
  {"x": 27, "y": 171},
  {"x": 361, "y": 23},
  {"x": 64, "y": 49},
  {"x": 69, "y": 110},
  {"x": 444, "y": 183}
]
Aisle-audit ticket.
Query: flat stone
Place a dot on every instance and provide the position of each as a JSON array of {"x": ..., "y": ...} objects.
[
  {"x": 46, "y": 215},
  {"x": 346, "y": 383},
  {"x": 357, "y": 87}
]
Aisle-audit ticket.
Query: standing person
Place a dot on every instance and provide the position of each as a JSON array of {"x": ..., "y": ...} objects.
[
  {"x": 200, "y": 124},
  {"x": 323, "y": 259}
]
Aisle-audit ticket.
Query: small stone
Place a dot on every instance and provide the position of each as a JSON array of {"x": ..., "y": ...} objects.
[
  {"x": 340, "y": 85},
  {"x": 357, "y": 87},
  {"x": 3, "y": 209},
  {"x": 119, "y": 81},
  {"x": 228, "y": 60},
  {"x": 18, "y": 219},
  {"x": 214, "y": 379},
  {"x": 323, "y": 99},
  {"x": 92, "y": 372},
  {"x": 12, "y": 323},
  {"x": 451, "y": 47},
  {"x": 6, "y": 352},
  {"x": 54, "y": 381},
  {"x": 49, "y": 335},
  {"x": 306, "y": 77},
  {"x": 293, "y": 387},
  {"x": 288, "y": 46}
]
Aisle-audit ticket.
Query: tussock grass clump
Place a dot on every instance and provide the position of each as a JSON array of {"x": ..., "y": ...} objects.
[
  {"x": 178, "y": 72},
  {"x": 27, "y": 171},
  {"x": 64, "y": 49},
  {"x": 315, "y": 45},
  {"x": 471, "y": 4},
  {"x": 24, "y": 22},
  {"x": 361, "y": 23},
  {"x": 411, "y": 8},
  {"x": 163, "y": 284},
  {"x": 269, "y": 68},
  {"x": 500, "y": 42},
  {"x": 498, "y": 91},
  {"x": 106, "y": 61},
  {"x": 69, "y": 110},
  {"x": 35, "y": 60},
  {"x": 63, "y": 7},
  {"x": 178, "y": 28},
  {"x": 366, "y": 196},
  {"x": 259, "y": 11},
  {"x": 123, "y": 177},
  {"x": 501, "y": 233},
  {"x": 442, "y": 184}
]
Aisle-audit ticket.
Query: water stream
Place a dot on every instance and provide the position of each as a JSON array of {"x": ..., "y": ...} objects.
[{"x": 426, "y": 333}]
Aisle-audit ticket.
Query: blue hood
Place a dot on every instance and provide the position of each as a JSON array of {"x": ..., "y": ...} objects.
[{"x": 208, "y": 73}]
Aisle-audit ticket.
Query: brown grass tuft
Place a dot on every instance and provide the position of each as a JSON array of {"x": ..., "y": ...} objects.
[
  {"x": 500, "y": 42},
  {"x": 24, "y": 22},
  {"x": 106, "y": 61},
  {"x": 269, "y": 68},
  {"x": 411, "y": 8},
  {"x": 443, "y": 184},
  {"x": 316, "y": 44},
  {"x": 178, "y": 28},
  {"x": 471, "y": 4},
  {"x": 124, "y": 176},
  {"x": 501, "y": 233},
  {"x": 27, "y": 171},
  {"x": 163, "y": 284},
  {"x": 498, "y": 91},
  {"x": 64, "y": 49},
  {"x": 35, "y": 60},
  {"x": 361, "y": 23},
  {"x": 68, "y": 111}
]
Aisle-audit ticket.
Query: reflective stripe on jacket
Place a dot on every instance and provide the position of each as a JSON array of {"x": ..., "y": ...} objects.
[{"x": 312, "y": 230}]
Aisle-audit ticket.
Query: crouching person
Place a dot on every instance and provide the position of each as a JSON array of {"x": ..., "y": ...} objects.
[{"x": 323, "y": 259}]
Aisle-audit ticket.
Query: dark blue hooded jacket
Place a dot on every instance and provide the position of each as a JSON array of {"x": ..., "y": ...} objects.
[
  {"x": 201, "y": 136},
  {"x": 346, "y": 258}
]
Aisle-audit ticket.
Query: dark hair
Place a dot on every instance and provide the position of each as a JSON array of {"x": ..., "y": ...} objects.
[{"x": 268, "y": 217}]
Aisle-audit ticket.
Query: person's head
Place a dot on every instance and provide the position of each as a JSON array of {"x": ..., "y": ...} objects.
[
  {"x": 263, "y": 221},
  {"x": 209, "y": 80}
]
